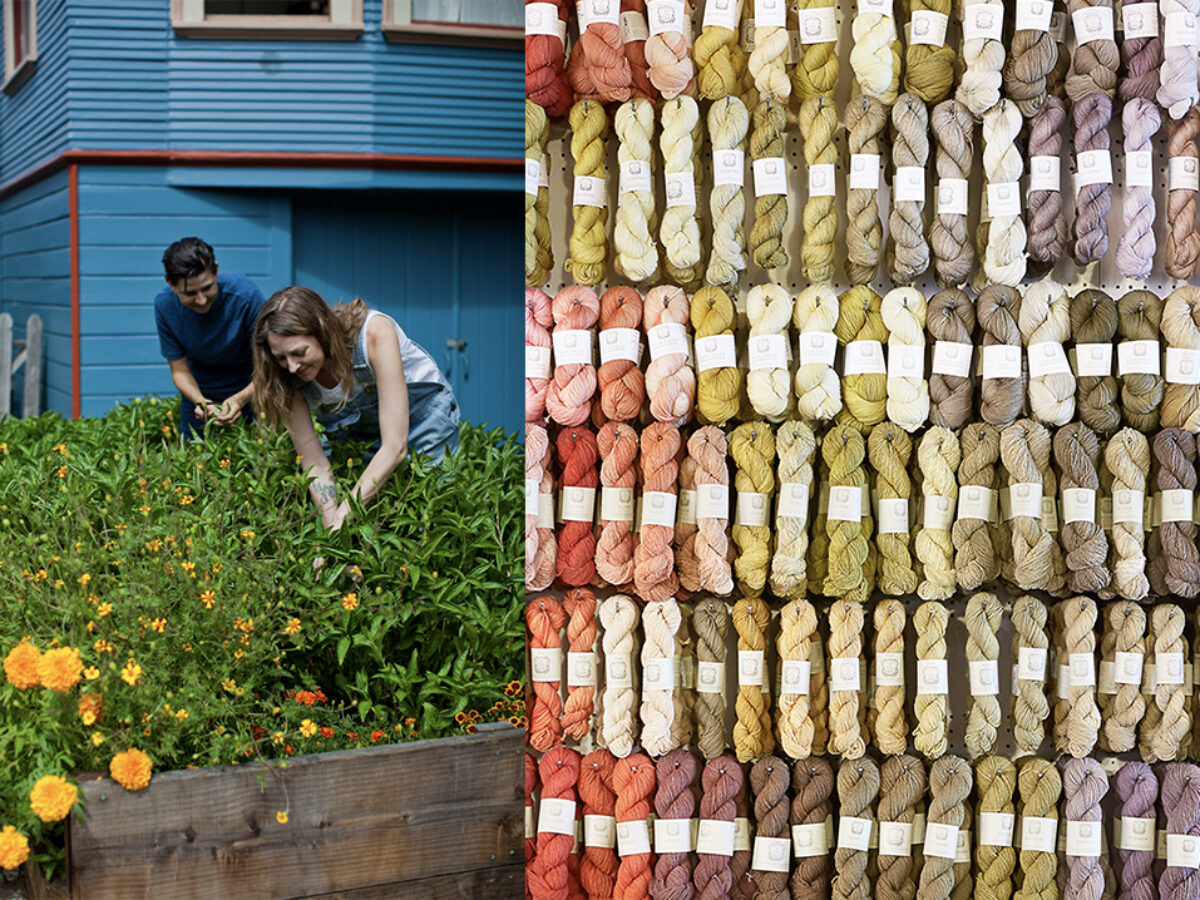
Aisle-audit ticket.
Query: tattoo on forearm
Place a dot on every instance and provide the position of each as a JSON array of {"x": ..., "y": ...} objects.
[{"x": 326, "y": 493}]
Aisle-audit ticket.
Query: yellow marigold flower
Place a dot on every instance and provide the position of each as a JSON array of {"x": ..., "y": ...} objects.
[
  {"x": 181, "y": 714},
  {"x": 277, "y": 737},
  {"x": 187, "y": 648},
  {"x": 229, "y": 684},
  {"x": 97, "y": 738},
  {"x": 186, "y": 500},
  {"x": 144, "y": 510},
  {"x": 159, "y": 624},
  {"x": 216, "y": 567},
  {"x": 248, "y": 534},
  {"x": 187, "y": 565},
  {"x": 21, "y": 666},
  {"x": 14, "y": 848},
  {"x": 208, "y": 598},
  {"x": 308, "y": 728},
  {"x": 239, "y": 653},
  {"x": 60, "y": 472},
  {"x": 350, "y": 601},
  {"x": 293, "y": 626},
  {"x": 224, "y": 464},
  {"x": 89, "y": 709},
  {"x": 154, "y": 546},
  {"x": 60, "y": 669},
  {"x": 103, "y": 609},
  {"x": 4, "y": 449},
  {"x": 131, "y": 673},
  {"x": 52, "y": 798},
  {"x": 103, "y": 646},
  {"x": 85, "y": 577},
  {"x": 91, "y": 673},
  {"x": 281, "y": 817},
  {"x": 131, "y": 769},
  {"x": 41, "y": 575}
]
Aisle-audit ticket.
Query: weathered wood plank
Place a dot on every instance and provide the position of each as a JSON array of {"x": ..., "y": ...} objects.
[
  {"x": 31, "y": 402},
  {"x": 6, "y": 348},
  {"x": 507, "y": 883},
  {"x": 357, "y": 820}
]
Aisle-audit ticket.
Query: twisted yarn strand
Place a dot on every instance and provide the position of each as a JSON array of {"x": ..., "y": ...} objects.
[
  {"x": 1169, "y": 622},
  {"x": 1094, "y": 321},
  {"x": 1084, "y": 787},
  {"x": 675, "y": 799},
  {"x": 818, "y": 388},
  {"x": 718, "y": 388},
  {"x": 721, "y": 780},
  {"x": 1077, "y": 452},
  {"x": 1047, "y": 237},
  {"x": 1025, "y": 451},
  {"x": 998, "y": 310},
  {"x": 796, "y": 446},
  {"x": 1175, "y": 453},
  {"x": 660, "y": 623},
  {"x": 812, "y": 788},
  {"x": 844, "y": 451},
  {"x": 907, "y": 249},
  {"x": 889, "y": 450},
  {"x": 929, "y": 68},
  {"x": 866, "y": 120},
  {"x": 1083, "y": 716},
  {"x": 579, "y": 604},
  {"x": 545, "y": 618},
  {"x": 950, "y": 782},
  {"x": 1046, "y": 318},
  {"x": 752, "y": 448},
  {"x": 860, "y": 318},
  {"x": 710, "y": 620},
  {"x": 680, "y": 230},
  {"x": 845, "y": 642},
  {"x": 598, "y": 867},
  {"x": 769, "y": 309},
  {"x": 728, "y": 126},
  {"x": 635, "y": 250},
  {"x": 1135, "y": 247},
  {"x": 558, "y": 772},
  {"x": 1039, "y": 786},
  {"x": 715, "y": 51},
  {"x": 979, "y": 89},
  {"x": 618, "y": 445},
  {"x": 1183, "y": 240},
  {"x": 931, "y": 710},
  {"x": 903, "y": 311},
  {"x": 938, "y": 455},
  {"x": 1120, "y": 712},
  {"x": 891, "y": 728},
  {"x": 670, "y": 381},
  {"x": 1181, "y": 328},
  {"x": 654, "y": 557},
  {"x": 540, "y": 546},
  {"x": 620, "y": 380},
  {"x": 797, "y": 622},
  {"x": 1032, "y": 56},
  {"x": 1178, "y": 91},
  {"x": 982, "y": 619},
  {"x": 769, "y": 121},
  {"x": 901, "y": 789},
  {"x": 1139, "y": 316},
  {"x": 769, "y": 780},
  {"x": 1030, "y": 708},
  {"x": 1004, "y": 259},
  {"x": 858, "y": 788},
  {"x": 975, "y": 562},
  {"x": 1137, "y": 787},
  {"x": 539, "y": 257},
  {"x": 633, "y": 781},
  {"x": 950, "y": 316},
  {"x": 750, "y": 739},
  {"x": 569, "y": 396},
  {"x": 995, "y": 782},
  {"x": 707, "y": 446},
  {"x": 953, "y": 253},
  {"x": 818, "y": 125},
  {"x": 588, "y": 244},
  {"x": 876, "y": 55},
  {"x": 1091, "y": 115},
  {"x": 669, "y": 60}
]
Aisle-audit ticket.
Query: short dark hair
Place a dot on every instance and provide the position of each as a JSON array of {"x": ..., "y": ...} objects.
[{"x": 187, "y": 258}]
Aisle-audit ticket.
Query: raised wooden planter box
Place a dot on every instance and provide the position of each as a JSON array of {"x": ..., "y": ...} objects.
[{"x": 430, "y": 819}]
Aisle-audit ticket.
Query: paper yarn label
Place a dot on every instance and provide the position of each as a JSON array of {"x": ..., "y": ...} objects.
[
  {"x": 1034, "y": 15},
  {"x": 1176, "y": 505},
  {"x": 715, "y": 837},
  {"x": 818, "y": 26},
  {"x": 619, "y": 343},
  {"x": 658, "y": 674},
  {"x": 1179, "y": 29},
  {"x": 996, "y": 829},
  {"x": 1093, "y": 23},
  {"x": 892, "y": 516},
  {"x": 792, "y": 501},
  {"x": 905, "y": 360},
  {"x": 984, "y": 677},
  {"x": 976, "y": 502},
  {"x": 810, "y": 840},
  {"x": 952, "y": 196},
  {"x": 889, "y": 670},
  {"x": 712, "y": 501},
  {"x": 770, "y": 176},
  {"x": 932, "y": 677},
  {"x": 770, "y": 13},
  {"x": 1079, "y": 505},
  {"x": 864, "y": 358},
  {"x": 1127, "y": 667},
  {"x": 864, "y": 171},
  {"x": 589, "y": 191},
  {"x": 1183, "y": 173},
  {"x": 844, "y": 674},
  {"x": 822, "y": 177},
  {"x": 854, "y": 833},
  {"x": 767, "y": 351},
  {"x": 1140, "y": 20},
  {"x": 545, "y": 663},
  {"x": 710, "y": 677},
  {"x": 1135, "y": 357},
  {"x": 771, "y": 854},
  {"x": 928, "y": 27},
  {"x": 681, "y": 189},
  {"x": 1136, "y": 834},
  {"x": 1001, "y": 361},
  {"x": 938, "y": 513},
  {"x": 1093, "y": 360},
  {"x": 572, "y": 347},
  {"x": 952, "y": 358},
  {"x": 752, "y": 509},
  {"x": 1093, "y": 166},
  {"x": 909, "y": 184},
  {"x": 895, "y": 838},
  {"x": 721, "y": 14},
  {"x": 796, "y": 675},
  {"x": 658, "y": 508},
  {"x": 941, "y": 839},
  {"x": 618, "y": 671},
  {"x": 1004, "y": 199},
  {"x": 1039, "y": 834},
  {"x": 537, "y": 362},
  {"x": 599, "y": 831},
  {"x": 750, "y": 667},
  {"x": 983, "y": 22},
  {"x": 817, "y": 348},
  {"x": 845, "y": 503},
  {"x": 1045, "y": 173},
  {"x": 672, "y": 836},
  {"x": 1183, "y": 850},
  {"x": 729, "y": 168},
  {"x": 1083, "y": 670},
  {"x": 717, "y": 351},
  {"x": 1084, "y": 838},
  {"x": 633, "y": 838},
  {"x": 1031, "y": 663},
  {"x": 1168, "y": 667},
  {"x": 556, "y": 816},
  {"x": 1025, "y": 499},
  {"x": 581, "y": 669},
  {"x": 1047, "y": 358}
]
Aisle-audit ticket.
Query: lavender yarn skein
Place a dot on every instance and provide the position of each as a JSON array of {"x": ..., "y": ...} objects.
[
  {"x": 1092, "y": 115},
  {"x": 1136, "y": 245},
  {"x": 1181, "y": 802},
  {"x": 1047, "y": 226},
  {"x": 1138, "y": 789}
]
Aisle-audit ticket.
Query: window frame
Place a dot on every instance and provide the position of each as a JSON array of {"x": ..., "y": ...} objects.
[
  {"x": 345, "y": 23},
  {"x": 398, "y": 27},
  {"x": 16, "y": 73}
]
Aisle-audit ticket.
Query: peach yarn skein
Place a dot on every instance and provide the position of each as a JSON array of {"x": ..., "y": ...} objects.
[
  {"x": 539, "y": 316},
  {"x": 633, "y": 778},
  {"x": 580, "y": 606},
  {"x": 569, "y": 398},
  {"x": 634, "y": 37},
  {"x": 548, "y": 875},
  {"x": 618, "y": 445},
  {"x": 654, "y": 558},
  {"x": 709, "y": 448},
  {"x": 621, "y": 382},
  {"x": 598, "y": 867},
  {"x": 545, "y": 618},
  {"x": 540, "y": 546},
  {"x": 669, "y": 58},
  {"x": 545, "y": 67},
  {"x": 577, "y": 455},
  {"x": 670, "y": 381},
  {"x": 597, "y": 66}
]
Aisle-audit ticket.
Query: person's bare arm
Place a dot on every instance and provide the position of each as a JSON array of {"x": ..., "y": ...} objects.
[
  {"x": 185, "y": 382},
  {"x": 314, "y": 461},
  {"x": 383, "y": 349}
]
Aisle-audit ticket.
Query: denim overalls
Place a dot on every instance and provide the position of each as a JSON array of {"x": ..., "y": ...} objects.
[{"x": 432, "y": 411}]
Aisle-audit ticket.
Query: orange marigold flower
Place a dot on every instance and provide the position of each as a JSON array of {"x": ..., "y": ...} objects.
[
  {"x": 61, "y": 472},
  {"x": 154, "y": 546},
  {"x": 90, "y": 709},
  {"x": 21, "y": 666},
  {"x": 60, "y": 669},
  {"x": 326, "y": 732},
  {"x": 224, "y": 464},
  {"x": 159, "y": 625},
  {"x": 14, "y": 848},
  {"x": 308, "y": 728},
  {"x": 293, "y": 626},
  {"x": 281, "y": 817},
  {"x": 131, "y": 769},
  {"x": 97, "y": 738},
  {"x": 52, "y": 798},
  {"x": 376, "y": 735},
  {"x": 350, "y": 601},
  {"x": 208, "y": 598},
  {"x": 186, "y": 500},
  {"x": 289, "y": 749},
  {"x": 102, "y": 646},
  {"x": 131, "y": 673},
  {"x": 84, "y": 579},
  {"x": 352, "y": 735},
  {"x": 104, "y": 609}
]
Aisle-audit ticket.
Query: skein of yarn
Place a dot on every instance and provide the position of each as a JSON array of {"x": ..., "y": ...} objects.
[
  {"x": 680, "y": 229},
  {"x": 818, "y": 545},
  {"x": 670, "y": 381},
  {"x": 674, "y": 804},
  {"x": 597, "y": 67},
  {"x": 1039, "y": 786},
  {"x": 1025, "y": 452},
  {"x": 1002, "y": 393},
  {"x": 1181, "y": 330},
  {"x": 901, "y": 789},
  {"x": 633, "y": 781},
  {"x": 995, "y": 858},
  {"x": 618, "y": 620},
  {"x": 711, "y": 623},
  {"x": 1077, "y": 452},
  {"x": 545, "y": 61},
  {"x": 769, "y": 780},
  {"x": 718, "y": 378},
  {"x": 982, "y": 619},
  {"x": 728, "y": 126},
  {"x": 1139, "y": 316},
  {"x": 1175, "y": 720},
  {"x": 818, "y": 126},
  {"x": 797, "y": 622},
  {"x": 1121, "y": 703},
  {"x": 907, "y": 249},
  {"x": 1047, "y": 237},
  {"x": 1045, "y": 322},
  {"x": 768, "y": 58},
  {"x": 654, "y": 556},
  {"x": 1137, "y": 787},
  {"x": 768, "y": 384},
  {"x": 668, "y": 52},
  {"x": 752, "y": 448},
  {"x": 620, "y": 380},
  {"x": 618, "y": 446},
  {"x": 1083, "y": 716},
  {"x": 545, "y": 618},
  {"x": 950, "y": 782},
  {"x": 1004, "y": 259},
  {"x": 818, "y": 388},
  {"x": 1084, "y": 787},
  {"x": 889, "y": 450},
  {"x": 569, "y": 395},
  {"x": 597, "y": 796},
  {"x": 818, "y": 691},
  {"x": 634, "y": 30},
  {"x": 1136, "y": 245},
  {"x": 752, "y": 730},
  {"x": 579, "y": 604},
  {"x": 796, "y": 446},
  {"x": 953, "y": 253},
  {"x": 1141, "y": 57},
  {"x": 1181, "y": 802},
  {"x": 1094, "y": 321},
  {"x": 660, "y": 622},
  {"x": 721, "y": 781},
  {"x": 531, "y": 783},
  {"x": 1175, "y": 457},
  {"x": 578, "y": 455},
  {"x": 769, "y": 121},
  {"x": 715, "y": 51},
  {"x": 938, "y": 455},
  {"x": 1030, "y": 647},
  {"x": 811, "y": 819},
  {"x": 950, "y": 320},
  {"x": 588, "y": 243},
  {"x": 975, "y": 559},
  {"x": 1032, "y": 56},
  {"x": 845, "y": 649},
  {"x": 844, "y": 451},
  {"x": 539, "y": 554},
  {"x": 903, "y": 313},
  {"x": 558, "y": 772},
  {"x": 635, "y": 249},
  {"x": 538, "y": 319},
  {"x": 929, "y": 60},
  {"x": 860, "y": 329},
  {"x": 932, "y": 706},
  {"x": 857, "y": 788},
  {"x": 1178, "y": 92},
  {"x": 866, "y": 120},
  {"x": 876, "y": 55},
  {"x": 707, "y": 446},
  {"x": 1183, "y": 240},
  {"x": 890, "y": 728},
  {"x": 539, "y": 255},
  {"x": 1090, "y": 115}
]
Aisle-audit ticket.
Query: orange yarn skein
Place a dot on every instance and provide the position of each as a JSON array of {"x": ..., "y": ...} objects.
[
  {"x": 618, "y": 444},
  {"x": 622, "y": 384},
  {"x": 547, "y": 878},
  {"x": 544, "y": 616},
  {"x": 577, "y": 458},
  {"x": 545, "y": 72},
  {"x": 531, "y": 783},
  {"x": 598, "y": 869},
  {"x": 654, "y": 559},
  {"x": 569, "y": 399},
  {"x": 635, "y": 52},
  {"x": 633, "y": 778},
  {"x": 580, "y": 606},
  {"x": 538, "y": 319}
]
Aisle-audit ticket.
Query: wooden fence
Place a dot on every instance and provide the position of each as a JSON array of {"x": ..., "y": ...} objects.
[
  {"x": 429, "y": 819},
  {"x": 29, "y": 357}
]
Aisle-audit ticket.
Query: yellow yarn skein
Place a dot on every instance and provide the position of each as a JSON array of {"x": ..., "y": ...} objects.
[
  {"x": 713, "y": 316},
  {"x": 539, "y": 257},
  {"x": 588, "y": 244},
  {"x": 929, "y": 68},
  {"x": 844, "y": 451},
  {"x": 752, "y": 447},
  {"x": 818, "y": 125},
  {"x": 860, "y": 319}
]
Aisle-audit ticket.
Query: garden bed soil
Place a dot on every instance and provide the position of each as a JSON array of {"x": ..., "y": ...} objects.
[{"x": 428, "y": 819}]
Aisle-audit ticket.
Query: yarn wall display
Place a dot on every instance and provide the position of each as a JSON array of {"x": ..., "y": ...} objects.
[{"x": 862, "y": 396}]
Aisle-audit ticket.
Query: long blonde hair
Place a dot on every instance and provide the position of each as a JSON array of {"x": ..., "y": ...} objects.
[{"x": 301, "y": 312}]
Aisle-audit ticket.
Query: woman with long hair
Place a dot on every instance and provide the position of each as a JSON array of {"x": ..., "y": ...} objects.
[{"x": 362, "y": 376}]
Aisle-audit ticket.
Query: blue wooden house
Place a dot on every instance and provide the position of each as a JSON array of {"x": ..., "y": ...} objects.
[{"x": 359, "y": 147}]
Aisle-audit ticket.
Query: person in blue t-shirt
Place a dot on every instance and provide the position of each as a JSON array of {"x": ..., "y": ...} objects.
[{"x": 205, "y": 332}]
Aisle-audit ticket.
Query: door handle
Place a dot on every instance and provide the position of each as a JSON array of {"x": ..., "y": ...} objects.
[
  {"x": 459, "y": 345},
  {"x": 455, "y": 344}
]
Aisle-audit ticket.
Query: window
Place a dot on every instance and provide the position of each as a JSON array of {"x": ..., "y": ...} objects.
[
  {"x": 317, "y": 20},
  {"x": 20, "y": 42},
  {"x": 488, "y": 22}
]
